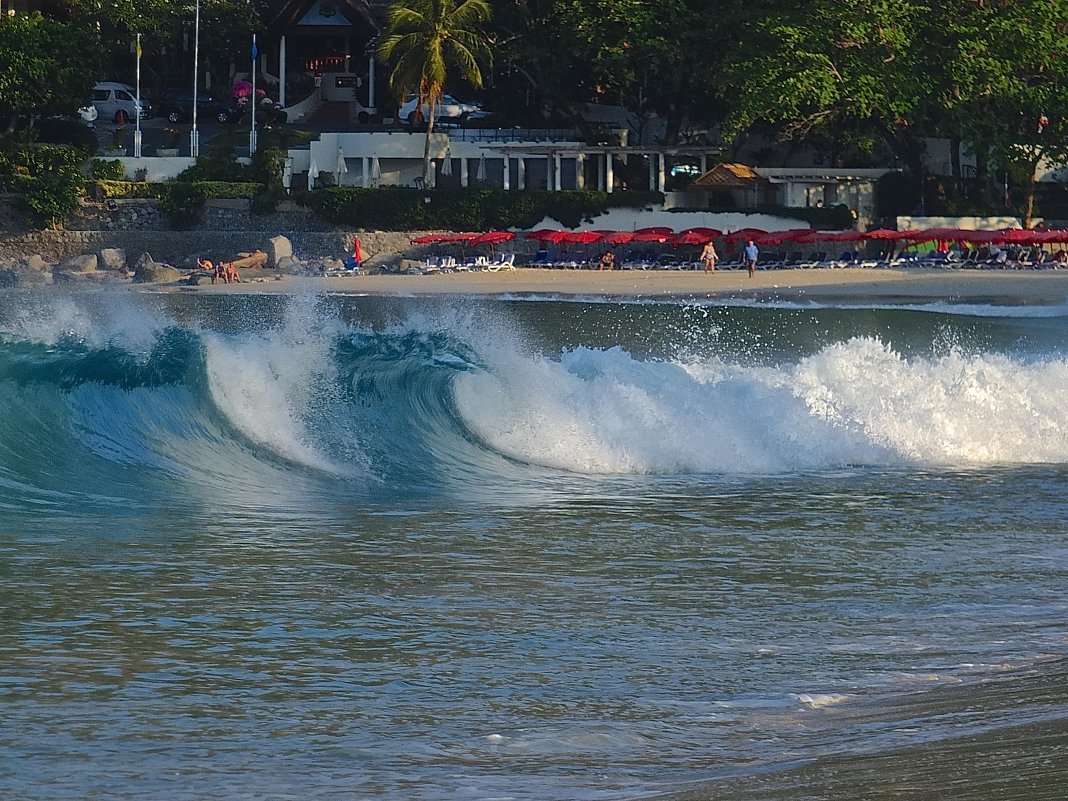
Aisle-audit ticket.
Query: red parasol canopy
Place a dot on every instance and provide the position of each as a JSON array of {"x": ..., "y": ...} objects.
[
  {"x": 1020, "y": 236},
  {"x": 778, "y": 237},
  {"x": 493, "y": 238},
  {"x": 581, "y": 237},
  {"x": 885, "y": 234},
  {"x": 616, "y": 237},
  {"x": 657, "y": 229},
  {"x": 543, "y": 234},
  {"x": 653, "y": 235},
  {"x": 428, "y": 239},
  {"x": 696, "y": 236},
  {"x": 1054, "y": 235},
  {"x": 742, "y": 234}
]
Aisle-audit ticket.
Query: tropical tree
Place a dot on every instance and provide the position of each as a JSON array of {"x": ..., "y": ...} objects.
[
  {"x": 424, "y": 39},
  {"x": 46, "y": 67}
]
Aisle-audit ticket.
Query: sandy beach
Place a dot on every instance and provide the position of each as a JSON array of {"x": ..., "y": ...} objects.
[{"x": 1047, "y": 287}]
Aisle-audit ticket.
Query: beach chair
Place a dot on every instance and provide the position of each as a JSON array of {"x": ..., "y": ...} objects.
[{"x": 506, "y": 261}]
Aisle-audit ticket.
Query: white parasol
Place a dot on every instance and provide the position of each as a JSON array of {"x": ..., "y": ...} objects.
[
  {"x": 342, "y": 167},
  {"x": 480, "y": 174},
  {"x": 376, "y": 171}
]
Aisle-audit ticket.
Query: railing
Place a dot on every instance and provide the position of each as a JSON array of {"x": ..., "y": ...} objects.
[{"x": 514, "y": 134}]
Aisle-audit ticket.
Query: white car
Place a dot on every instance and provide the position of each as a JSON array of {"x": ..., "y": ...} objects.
[
  {"x": 116, "y": 101},
  {"x": 448, "y": 108}
]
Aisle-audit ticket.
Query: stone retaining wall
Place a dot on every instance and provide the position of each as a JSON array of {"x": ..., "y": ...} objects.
[{"x": 226, "y": 229}]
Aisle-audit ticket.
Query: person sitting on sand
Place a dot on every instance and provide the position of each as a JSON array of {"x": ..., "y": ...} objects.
[{"x": 608, "y": 261}]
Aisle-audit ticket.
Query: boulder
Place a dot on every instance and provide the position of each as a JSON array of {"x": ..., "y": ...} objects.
[
  {"x": 257, "y": 259},
  {"x": 31, "y": 277},
  {"x": 111, "y": 259},
  {"x": 149, "y": 272},
  {"x": 79, "y": 264},
  {"x": 35, "y": 262},
  {"x": 288, "y": 263},
  {"x": 333, "y": 264},
  {"x": 278, "y": 248}
]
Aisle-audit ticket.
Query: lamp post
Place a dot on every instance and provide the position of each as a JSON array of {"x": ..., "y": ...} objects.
[{"x": 194, "y": 135}]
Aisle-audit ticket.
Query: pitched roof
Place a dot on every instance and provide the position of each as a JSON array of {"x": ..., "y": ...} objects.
[
  {"x": 284, "y": 14},
  {"x": 727, "y": 176}
]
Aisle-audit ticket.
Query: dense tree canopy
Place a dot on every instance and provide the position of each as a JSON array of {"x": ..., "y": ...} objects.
[{"x": 46, "y": 66}]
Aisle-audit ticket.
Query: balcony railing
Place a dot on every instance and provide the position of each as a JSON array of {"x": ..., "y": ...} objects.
[{"x": 514, "y": 134}]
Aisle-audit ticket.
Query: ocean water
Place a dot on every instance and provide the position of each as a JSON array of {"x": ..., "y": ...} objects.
[{"x": 326, "y": 547}]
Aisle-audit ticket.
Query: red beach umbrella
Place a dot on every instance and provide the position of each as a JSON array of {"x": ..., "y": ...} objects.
[
  {"x": 493, "y": 238},
  {"x": 696, "y": 236},
  {"x": 742, "y": 234},
  {"x": 657, "y": 229},
  {"x": 582, "y": 237},
  {"x": 542, "y": 234},
  {"x": 1020, "y": 236},
  {"x": 653, "y": 235},
  {"x": 617, "y": 237},
  {"x": 429, "y": 239},
  {"x": 885, "y": 234}
]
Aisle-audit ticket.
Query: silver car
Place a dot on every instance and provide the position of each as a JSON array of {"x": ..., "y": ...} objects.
[{"x": 117, "y": 101}]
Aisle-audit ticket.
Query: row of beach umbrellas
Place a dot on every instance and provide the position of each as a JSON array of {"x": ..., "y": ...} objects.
[{"x": 799, "y": 236}]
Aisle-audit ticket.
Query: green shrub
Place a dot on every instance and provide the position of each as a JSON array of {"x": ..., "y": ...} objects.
[
  {"x": 102, "y": 170},
  {"x": 212, "y": 190},
  {"x": 51, "y": 197},
  {"x": 402, "y": 209},
  {"x": 182, "y": 203}
]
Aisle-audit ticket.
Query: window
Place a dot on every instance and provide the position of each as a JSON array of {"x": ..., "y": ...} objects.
[
  {"x": 123, "y": 95},
  {"x": 101, "y": 94}
]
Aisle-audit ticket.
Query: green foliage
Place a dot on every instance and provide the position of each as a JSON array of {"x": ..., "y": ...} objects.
[
  {"x": 424, "y": 39},
  {"x": 182, "y": 202},
  {"x": 397, "y": 209},
  {"x": 211, "y": 190},
  {"x": 218, "y": 164},
  {"x": 46, "y": 67},
  {"x": 102, "y": 170},
  {"x": 50, "y": 196}
]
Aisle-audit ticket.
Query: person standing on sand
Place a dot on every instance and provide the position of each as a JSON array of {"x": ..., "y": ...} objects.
[
  {"x": 709, "y": 257},
  {"x": 750, "y": 255}
]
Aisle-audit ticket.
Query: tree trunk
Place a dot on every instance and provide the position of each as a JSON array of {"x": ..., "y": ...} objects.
[
  {"x": 1029, "y": 207},
  {"x": 954, "y": 160},
  {"x": 426, "y": 148}
]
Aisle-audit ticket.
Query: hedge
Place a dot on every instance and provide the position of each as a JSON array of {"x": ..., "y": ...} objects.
[
  {"x": 213, "y": 190},
  {"x": 403, "y": 209}
]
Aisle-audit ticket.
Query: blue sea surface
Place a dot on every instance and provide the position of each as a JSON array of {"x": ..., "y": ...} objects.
[{"x": 322, "y": 547}]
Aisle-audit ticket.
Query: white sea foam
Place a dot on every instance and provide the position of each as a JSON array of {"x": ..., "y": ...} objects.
[
  {"x": 855, "y": 402},
  {"x": 821, "y": 700},
  {"x": 267, "y": 385}
]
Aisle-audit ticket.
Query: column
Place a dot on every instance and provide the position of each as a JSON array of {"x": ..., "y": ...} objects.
[
  {"x": 704, "y": 163},
  {"x": 661, "y": 177},
  {"x": 521, "y": 173},
  {"x": 465, "y": 174},
  {"x": 506, "y": 178},
  {"x": 652, "y": 172},
  {"x": 600, "y": 175},
  {"x": 365, "y": 180},
  {"x": 609, "y": 178},
  {"x": 282, "y": 72},
  {"x": 557, "y": 184},
  {"x": 580, "y": 171},
  {"x": 371, "y": 85}
]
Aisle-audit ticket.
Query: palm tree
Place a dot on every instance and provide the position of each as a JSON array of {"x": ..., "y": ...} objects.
[{"x": 424, "y": 39}]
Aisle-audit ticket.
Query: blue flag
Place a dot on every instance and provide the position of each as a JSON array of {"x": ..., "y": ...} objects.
[{"x": 255, "y": 50}]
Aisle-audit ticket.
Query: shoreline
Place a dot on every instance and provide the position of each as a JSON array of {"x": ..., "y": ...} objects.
[{"x": 1041, "y": 288}]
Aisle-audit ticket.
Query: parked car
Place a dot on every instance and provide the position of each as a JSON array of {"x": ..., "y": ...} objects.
[
  {"x": 117, "y": 101},
  {"x": 177, "y": 106},
  {"x": 448, "y": 108}
]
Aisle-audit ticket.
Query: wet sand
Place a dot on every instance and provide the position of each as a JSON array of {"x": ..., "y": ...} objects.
[{"x": 1046, "y": 287}]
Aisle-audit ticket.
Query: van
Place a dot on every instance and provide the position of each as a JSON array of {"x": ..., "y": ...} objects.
[{"x": 117, "y": 101}]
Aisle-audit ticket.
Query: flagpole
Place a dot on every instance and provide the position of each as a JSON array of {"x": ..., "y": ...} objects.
[
  {"x": 137, "y": 111},
  {"x": 255, "y": 101},
  {"x": 194, "y": 136}
]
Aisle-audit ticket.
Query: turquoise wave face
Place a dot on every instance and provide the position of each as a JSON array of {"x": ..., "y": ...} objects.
[{"x": 127, "y": 398}]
